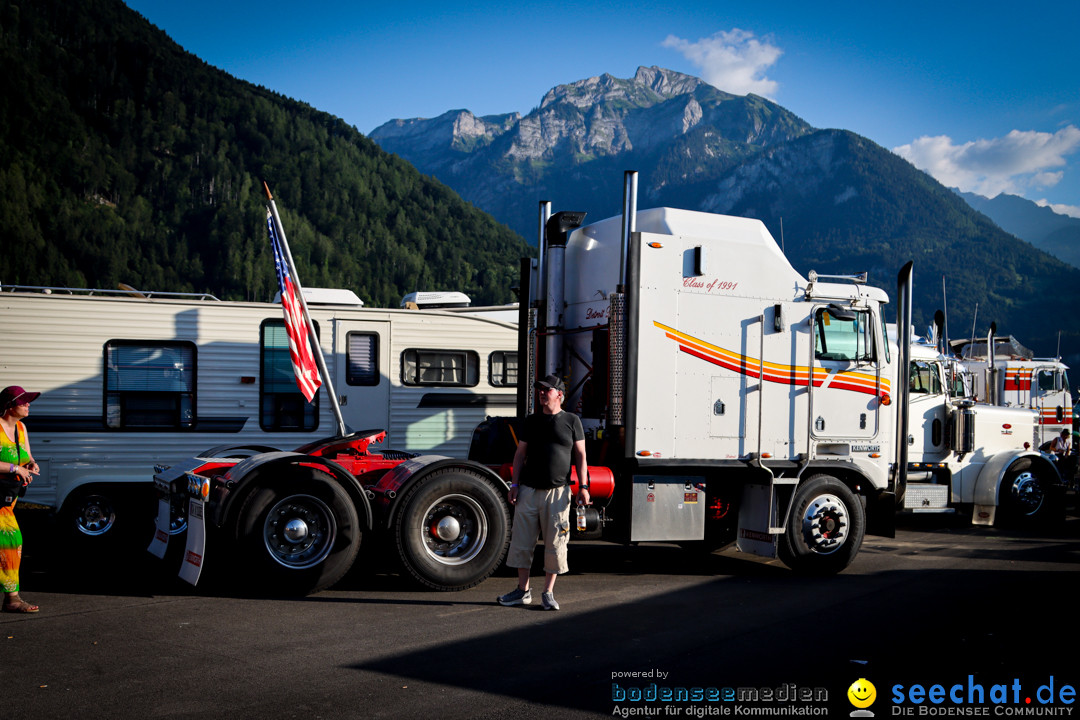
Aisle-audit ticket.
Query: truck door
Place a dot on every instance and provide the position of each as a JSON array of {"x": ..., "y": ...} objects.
[
  {"x": 362, "y": 373},
  {"x": 926, "y": 423},
  {"x": 846, "y": 375}
]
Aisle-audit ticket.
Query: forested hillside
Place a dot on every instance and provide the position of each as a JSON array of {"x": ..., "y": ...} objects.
[{"x": 123, "y": 158}]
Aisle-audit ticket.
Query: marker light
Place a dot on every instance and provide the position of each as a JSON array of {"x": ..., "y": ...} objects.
[
  {"x": 656, "y": 245},
  {"x": 885, "y": 398}
]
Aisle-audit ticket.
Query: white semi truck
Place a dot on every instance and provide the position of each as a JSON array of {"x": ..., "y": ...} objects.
[
  {"x": 1011, "y": 376},
  {"x": 724, "y": 396},
  {"x": 735, "y": 399},
  {"x": 976, "y": 456}
]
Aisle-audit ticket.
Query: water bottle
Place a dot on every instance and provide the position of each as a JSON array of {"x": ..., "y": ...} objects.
[{"x": 581, "y": 518}]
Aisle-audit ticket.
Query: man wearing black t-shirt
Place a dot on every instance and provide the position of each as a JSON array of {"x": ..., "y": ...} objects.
[{"x": 552, "y": 441}]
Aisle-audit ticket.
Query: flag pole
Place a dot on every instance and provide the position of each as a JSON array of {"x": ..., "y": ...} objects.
[{"x": 319, "y": 358}]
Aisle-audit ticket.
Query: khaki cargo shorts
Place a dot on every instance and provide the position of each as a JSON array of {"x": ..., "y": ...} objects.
[{"x": 541, "y": 512}]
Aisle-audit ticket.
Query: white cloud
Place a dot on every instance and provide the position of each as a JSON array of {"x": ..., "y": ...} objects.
[
  {"x": 1011, "y": 164},
  {"x": 1070, "y": 210},
  {"x": 733, "y": 61}
]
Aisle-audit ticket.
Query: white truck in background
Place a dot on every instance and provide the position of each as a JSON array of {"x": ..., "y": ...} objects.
[
  {"x": 971, "y": 455},
  {"x": 1011, "y": 376}
]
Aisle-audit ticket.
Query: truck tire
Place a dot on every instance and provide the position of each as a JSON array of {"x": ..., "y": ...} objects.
[
  {"x": 453, "y": 529},
  {"x": 297, "y": 534},
  {"x": 1026, "y": 498},
  {"x": 825, "y": 528}
]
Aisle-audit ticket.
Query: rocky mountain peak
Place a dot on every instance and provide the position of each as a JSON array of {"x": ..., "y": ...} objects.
[
  {"x": 667, "y": 83},
  {"x": 648, "y": 87}
]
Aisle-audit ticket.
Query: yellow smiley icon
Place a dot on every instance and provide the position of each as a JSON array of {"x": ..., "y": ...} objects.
[{"x": 862, "y": 693}]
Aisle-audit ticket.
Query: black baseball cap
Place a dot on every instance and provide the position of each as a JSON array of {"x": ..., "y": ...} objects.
[{"x": 551, "y": 381}]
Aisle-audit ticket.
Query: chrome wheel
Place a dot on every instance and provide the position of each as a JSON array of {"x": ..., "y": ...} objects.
[
  {"x": 455, "y": 529},
  {"x": 299, "y": 531},
  {"x": 95, "y": 515},
  {"x": 1026, "y": 493},
  {"x": 825, "y": 524}
]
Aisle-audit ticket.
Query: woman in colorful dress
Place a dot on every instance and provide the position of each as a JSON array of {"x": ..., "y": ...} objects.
[{"x": 15, "y": 458}]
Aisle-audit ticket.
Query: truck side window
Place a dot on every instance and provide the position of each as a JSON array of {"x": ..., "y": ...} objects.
[
  {"x": 503, "y": 369},
  {"x": 281, "y": 404},
  {"x": 149, "y": 384},
  {"x": 1048, "y": 382},
  {"x": 447, "y": 368},
  {"x": 925, "y": 378},
  {"x": 847, "y": 339}
]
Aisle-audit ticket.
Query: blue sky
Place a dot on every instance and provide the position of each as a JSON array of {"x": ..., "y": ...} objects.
[{"x": 985, "y": 96}]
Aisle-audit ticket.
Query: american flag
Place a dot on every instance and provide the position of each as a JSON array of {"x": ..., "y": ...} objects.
[{"x": 303, "y": 361}]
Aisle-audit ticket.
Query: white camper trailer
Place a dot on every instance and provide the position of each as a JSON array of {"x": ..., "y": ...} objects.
[{"x": 130, "y": 380}]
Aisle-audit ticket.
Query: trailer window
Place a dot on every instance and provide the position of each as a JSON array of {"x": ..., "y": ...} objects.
[
  {"x": 281, "y": 404},
  {"x": 362, "y": 358},
  {"x": 149, "y": 385},
  {"x": 440, "y": 367},
  {"x": 846, "y": 339},
  {"x": 503, "y": 368}
]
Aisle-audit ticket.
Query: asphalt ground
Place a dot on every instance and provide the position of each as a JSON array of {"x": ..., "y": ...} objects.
[{"x": 942, "y": 603}]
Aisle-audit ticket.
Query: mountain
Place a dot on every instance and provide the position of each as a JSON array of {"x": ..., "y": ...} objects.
[
  {"x": 1047, "y": 230},
  {"x": 836, "y": 201},
  {"x": 123, "y": 158},
  {"x": 575, "y": 145}
]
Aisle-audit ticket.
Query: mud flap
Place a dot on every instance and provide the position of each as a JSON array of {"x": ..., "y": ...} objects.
[
  {"x": 160, "y": 543},
  {"x": 191, "y": 568},
  {"x": 755, "y": 519}
]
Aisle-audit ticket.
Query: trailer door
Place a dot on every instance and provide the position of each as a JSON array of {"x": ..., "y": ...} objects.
[{"x": 362, "y": 373}]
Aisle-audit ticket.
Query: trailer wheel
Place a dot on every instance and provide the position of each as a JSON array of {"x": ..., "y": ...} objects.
[
  {"x": 299, "y": 533},
  {"x": 93, "y": 514},
  {"x": 1025, "y": 496},
  {"x": 109, "y": 516},
  {"x": 453, "y": 529},
  {"x": 825, "y": 528}
]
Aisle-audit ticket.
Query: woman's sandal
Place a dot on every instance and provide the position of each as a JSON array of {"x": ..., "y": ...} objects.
[{"x": 21, "y": 607}]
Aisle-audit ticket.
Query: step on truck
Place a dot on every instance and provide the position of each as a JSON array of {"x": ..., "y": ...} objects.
[{"x": 725, "y": 398}]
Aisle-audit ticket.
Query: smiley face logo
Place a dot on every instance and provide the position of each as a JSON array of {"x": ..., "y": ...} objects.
[{"x": 862, "y": 693}]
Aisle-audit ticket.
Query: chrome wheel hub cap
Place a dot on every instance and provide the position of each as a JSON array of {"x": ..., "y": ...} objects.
[
  {"x": 455, "y": 529},
  {"x": 825, "y": 524},
  {"x": 300, "y": 531},
  {"x": 1028, "y": 493}
]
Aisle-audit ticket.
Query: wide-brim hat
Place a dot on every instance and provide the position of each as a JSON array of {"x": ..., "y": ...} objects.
[
  {"x": 14, "y": 395},
  {"x": 551, "y": 381}
]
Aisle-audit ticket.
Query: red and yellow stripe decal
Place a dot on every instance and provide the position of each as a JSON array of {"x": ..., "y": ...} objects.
[{"x": 775, "y": 372}]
